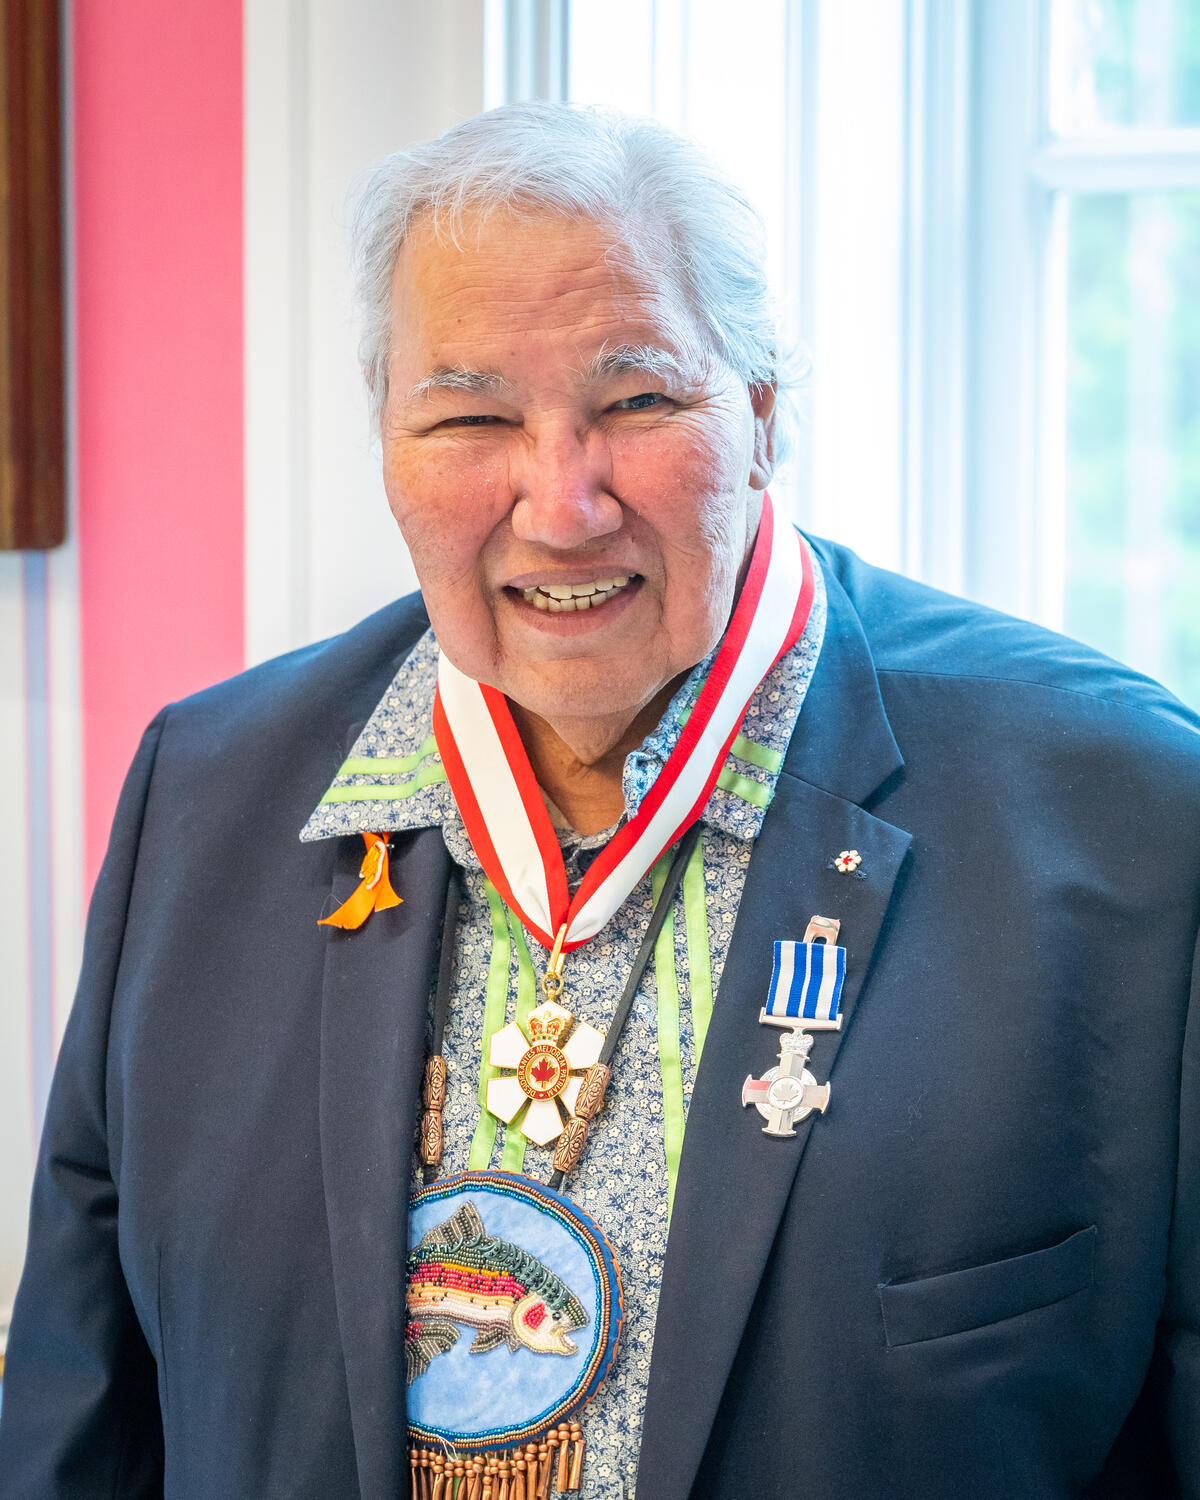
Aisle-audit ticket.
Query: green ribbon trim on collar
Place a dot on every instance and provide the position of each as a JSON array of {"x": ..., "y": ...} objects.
[
  {"x": 387, "y": 765},
  {"x": 745, "y": 787},
  {"x": 756, "y": 755},
  {"x": 429, "y": 775},
  {"x": 744, "y": 748}
]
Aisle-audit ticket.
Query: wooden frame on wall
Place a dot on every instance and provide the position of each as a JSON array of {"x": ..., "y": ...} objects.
[{"x": 32, "y": 417}]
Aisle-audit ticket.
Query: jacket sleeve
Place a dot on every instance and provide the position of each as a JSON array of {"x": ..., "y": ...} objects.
[
  {"x": 1180, "y": 1332},
  {"x": 80, "y": 1414}
]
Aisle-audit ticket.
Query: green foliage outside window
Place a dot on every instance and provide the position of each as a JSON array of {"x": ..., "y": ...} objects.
[{"x": 1133, "y": 431}]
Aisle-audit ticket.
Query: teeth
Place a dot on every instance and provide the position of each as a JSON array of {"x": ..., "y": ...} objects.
[{"x": 557, "y": 597}]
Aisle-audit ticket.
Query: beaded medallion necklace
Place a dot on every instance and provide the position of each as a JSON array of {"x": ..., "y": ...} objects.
[
  {"x": 465, "y": 1275},
  {"x": 492, "y": 1253}
]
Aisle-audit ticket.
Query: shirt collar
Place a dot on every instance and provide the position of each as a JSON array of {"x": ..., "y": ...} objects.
[{"x": 393, "y": 779}]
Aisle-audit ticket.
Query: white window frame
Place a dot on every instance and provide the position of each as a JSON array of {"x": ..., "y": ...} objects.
[
  {"x": 955, "y": 472},
  {"x": 331, "y": 86},
  {"x": 887, "y": 468},
  {"x": 1025, "y": 174}
]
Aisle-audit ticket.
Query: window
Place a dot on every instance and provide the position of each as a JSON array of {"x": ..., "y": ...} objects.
[
  {"x": 985, "y": 225},
  {"x": 1123, "y": 165},
  {"x": 697, "y": 66}
]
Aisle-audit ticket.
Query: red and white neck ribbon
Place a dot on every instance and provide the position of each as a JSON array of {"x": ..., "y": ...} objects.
[{"x": 502, "y": 807}]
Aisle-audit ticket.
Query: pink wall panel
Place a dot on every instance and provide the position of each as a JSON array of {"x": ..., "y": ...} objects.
[{"x": 158, "y": 263}]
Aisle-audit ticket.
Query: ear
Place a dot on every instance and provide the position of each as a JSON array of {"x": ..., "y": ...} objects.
[{"x": 762, "y": 464}]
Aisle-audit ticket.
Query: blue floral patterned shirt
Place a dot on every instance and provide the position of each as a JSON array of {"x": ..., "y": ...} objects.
[{"x": 394, "y": 780}]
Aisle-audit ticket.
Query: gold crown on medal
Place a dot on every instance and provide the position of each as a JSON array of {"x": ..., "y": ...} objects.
[{"x": 548, "y": 1023}]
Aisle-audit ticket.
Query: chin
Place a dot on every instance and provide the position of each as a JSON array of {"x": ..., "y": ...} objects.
[{"x": 579, "y": 690}]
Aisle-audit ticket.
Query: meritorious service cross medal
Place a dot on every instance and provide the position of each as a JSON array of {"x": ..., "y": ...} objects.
[
  {"x": 548, "y": 1067},
  {"x": 789, "y": 1093},
  {"x": 805, "y": 996}
]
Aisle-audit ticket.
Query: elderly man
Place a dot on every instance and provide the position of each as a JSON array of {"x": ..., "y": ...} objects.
[{"x": 647, "y": 814}]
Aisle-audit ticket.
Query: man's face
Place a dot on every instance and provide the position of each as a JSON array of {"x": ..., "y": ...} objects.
[{"x": 555, "y": 423}]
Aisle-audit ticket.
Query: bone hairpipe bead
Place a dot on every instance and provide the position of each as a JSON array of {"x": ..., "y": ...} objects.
[
  {"x": 564, "y": 1455},
  {"x": 546, "y": 1463},
  {"x": 435, "y": 1082},
  {"x": 591, "y": 1091},
  {"x": 577, "y": 1446},
  {"x": 531, "y": 1471},
  {"x": 431, "y": 1138},
  {"x": 570, "y": 1145}
]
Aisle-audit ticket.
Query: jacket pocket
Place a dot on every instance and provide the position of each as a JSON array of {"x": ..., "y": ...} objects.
[{"x": 933, "y": 1306}]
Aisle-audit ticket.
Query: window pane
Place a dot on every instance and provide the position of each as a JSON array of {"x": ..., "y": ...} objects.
[
  {"x": 611, "y": 54},
  {"x": 1133, "y": 431},
  {"x": 1120, "y": 63},
  {"x": 660, "y": 59}
]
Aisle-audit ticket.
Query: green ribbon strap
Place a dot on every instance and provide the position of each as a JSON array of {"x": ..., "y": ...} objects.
[
  {"x": 695, "y": 917},
  {"x": 669, "y": 1060},
  {"x": 513, "y": 1157},
  {"x": 495, "y": 1010}
]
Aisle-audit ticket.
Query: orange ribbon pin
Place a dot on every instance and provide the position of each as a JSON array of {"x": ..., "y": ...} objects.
[{"x": 374, "y": 892}]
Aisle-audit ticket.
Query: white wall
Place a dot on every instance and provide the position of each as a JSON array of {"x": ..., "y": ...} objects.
[
  {"x": 331, "y": 87},
  {"x": 41, "y": 874},
  {"x": 16, "y": 1040},
  {"x": 41, "y": 822}
]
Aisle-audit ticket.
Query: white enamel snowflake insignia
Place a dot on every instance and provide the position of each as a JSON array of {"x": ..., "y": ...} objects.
[
  {"x": 847, "y": 861},
  {"x": 547, "y": 1071}
]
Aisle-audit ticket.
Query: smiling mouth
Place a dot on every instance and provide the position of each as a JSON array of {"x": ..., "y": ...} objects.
[{"x": 559, "y": 598}]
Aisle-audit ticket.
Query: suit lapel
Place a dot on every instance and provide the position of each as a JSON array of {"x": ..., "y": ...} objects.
[
  {"x": 734, "y": 1181},
  {"x": 373, "y": 1039}
]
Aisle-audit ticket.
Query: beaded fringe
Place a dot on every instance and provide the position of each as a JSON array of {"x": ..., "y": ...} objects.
[{"x": 535, "y": 1472}]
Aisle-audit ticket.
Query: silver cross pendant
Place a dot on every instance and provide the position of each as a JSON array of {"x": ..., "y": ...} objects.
[{"x": 789, "y": 1093}]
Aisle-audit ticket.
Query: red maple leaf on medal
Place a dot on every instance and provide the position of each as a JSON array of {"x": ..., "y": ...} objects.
[{"x": 548, "y": 1062}]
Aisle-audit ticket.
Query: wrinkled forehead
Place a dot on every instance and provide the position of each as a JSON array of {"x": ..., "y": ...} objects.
[
  {"x": 477, "y": 228},
  {"x": 486, "y": 271}
]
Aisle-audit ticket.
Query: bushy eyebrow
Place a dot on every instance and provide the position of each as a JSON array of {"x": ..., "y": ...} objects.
[
  {"x": 632, "y": 359},
  {"x": 606, "y": 364},
  {"x": 455, "y": 378}
]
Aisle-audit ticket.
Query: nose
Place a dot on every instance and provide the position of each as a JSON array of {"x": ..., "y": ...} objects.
[{"x": 560, "y": 480}]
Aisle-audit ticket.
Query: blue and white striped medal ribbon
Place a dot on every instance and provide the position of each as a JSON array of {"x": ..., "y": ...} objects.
[
  {"x": 806, "y": 984},
  {"x": 805, "y": 996}
]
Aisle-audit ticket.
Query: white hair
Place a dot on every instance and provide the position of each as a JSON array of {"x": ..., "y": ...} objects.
[{"x": 672, "y": 211}]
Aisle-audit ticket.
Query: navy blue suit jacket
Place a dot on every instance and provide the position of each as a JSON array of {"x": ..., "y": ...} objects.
[{"x": 978, "y": 1274}]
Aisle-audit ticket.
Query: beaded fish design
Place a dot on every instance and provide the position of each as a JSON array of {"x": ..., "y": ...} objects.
[{"x": 460, "y": 1277}]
